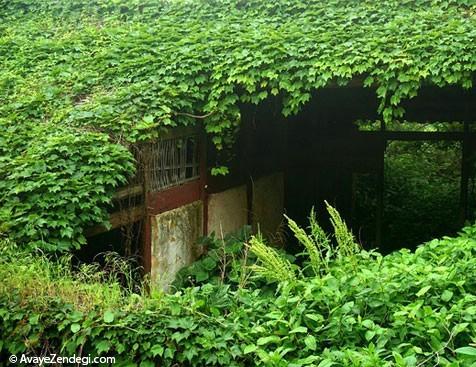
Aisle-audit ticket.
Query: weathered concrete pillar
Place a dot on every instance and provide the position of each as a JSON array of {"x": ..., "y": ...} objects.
[{"x": 173, "y": 240}]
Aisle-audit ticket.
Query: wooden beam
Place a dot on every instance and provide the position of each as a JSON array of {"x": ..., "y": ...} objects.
[
  {"x": 202, "y": 146},
  {"x": 174, "y": 197},
  {"x": 419, "y": 135},
  {"x": 380, "y": 189},
  {"x": 118, "y": 219},
  {"x": 128, "y": 191}
]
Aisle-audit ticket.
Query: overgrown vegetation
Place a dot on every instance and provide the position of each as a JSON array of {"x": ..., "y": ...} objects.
[
  {"x": 224, "y": 261},
  {"x": 350, "y": 307},
  {"x": 52, "y": 187},
  {"x": 79, "y": 77}
]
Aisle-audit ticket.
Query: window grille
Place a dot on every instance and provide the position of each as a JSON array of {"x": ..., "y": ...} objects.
[{"x": 173, "y": 161}]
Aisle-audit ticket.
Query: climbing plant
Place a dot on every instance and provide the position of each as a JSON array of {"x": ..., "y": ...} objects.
[
  {"x": 57, "y": 184},
  {"x": 122, "y": 71}
]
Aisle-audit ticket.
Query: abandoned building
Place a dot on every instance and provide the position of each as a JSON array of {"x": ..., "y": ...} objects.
[{"x": 278, "y": 165}]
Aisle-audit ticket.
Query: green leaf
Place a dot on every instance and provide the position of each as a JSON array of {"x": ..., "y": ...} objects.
[
  {"x": 250, "y": 348},
  {"x": 157, "y": 350},
  {"x": 458, "y": 328},
  {"x": 108, "y": 317},
  {"x": 220, "y": 171},
  {"x": 398, "y": 358},
  {"x": 422, "y": 291},
  {"x": 446, "y": 295},
  {"x": 299, "y": 329},
  {"x": 268, "y": 339},
  {"x": 326, "y": 363},
  {"x": 467, "y": 351},
  {"x": 369, "y": 334},
  {"x": 369, "y": 324},
  {"x": 208, "y": 263},
  {"x": 148, "y": 118},
  {"x": 33, "y": 320},
  {"x": 75, "y": 328},
  {"x": 314, "y": 317},
  {"x": 310, "y": 342},
  {"x": 103, "y": 346},
  {"x": 201, "y": 275}
]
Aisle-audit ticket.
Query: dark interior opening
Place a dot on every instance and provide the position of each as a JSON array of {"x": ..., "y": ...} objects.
[
  {"x": 125, "y": 241},
  {"x": 421, "y": 195},
  {"x": 324, "y": 152},
  {"x": 328, "y": 158}
]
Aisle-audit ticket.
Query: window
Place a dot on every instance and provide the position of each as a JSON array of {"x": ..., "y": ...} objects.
[{"x": 173, "y": 161}]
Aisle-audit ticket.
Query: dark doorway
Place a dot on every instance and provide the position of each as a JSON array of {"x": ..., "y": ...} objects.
[
  {"x": 125, "y": 241},
  {"x": 395, "y": 189},
  {"x": 421, "y": 192}
]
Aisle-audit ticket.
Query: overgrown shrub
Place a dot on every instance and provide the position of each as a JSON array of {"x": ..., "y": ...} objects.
[
  {"x": 57, "y": 184},
  {"x": 404, "y": 309},
  {"x": 224, "y": 260}
]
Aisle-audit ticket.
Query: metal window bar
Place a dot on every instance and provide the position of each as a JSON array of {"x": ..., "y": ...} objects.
[{"x": 173, "y": 161}]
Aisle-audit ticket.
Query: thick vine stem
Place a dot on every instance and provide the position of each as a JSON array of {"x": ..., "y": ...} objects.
[{"x": 194, "y": 116}]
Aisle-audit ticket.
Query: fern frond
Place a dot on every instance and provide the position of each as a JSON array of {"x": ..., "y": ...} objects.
[
  {"x": 344, "y": 237},
  {"x": 312, "y": 248},
  {"x": 272, "y": 265},
  {"x": 319, "y": 235}
]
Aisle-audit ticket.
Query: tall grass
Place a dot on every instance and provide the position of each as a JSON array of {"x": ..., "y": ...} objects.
[
  {"x": 346, "y": 244},
  {"x": 40, "y": 278}
]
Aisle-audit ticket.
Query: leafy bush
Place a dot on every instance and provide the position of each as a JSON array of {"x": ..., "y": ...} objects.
[
  {"x": 422, "y": 188},
  {"x": 224, "y": 260},
  {"x": 56, "y": 184},
  {"x": 404, "y": 309}
]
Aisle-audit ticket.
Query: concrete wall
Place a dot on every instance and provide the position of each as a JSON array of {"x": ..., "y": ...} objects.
[
  {"x": 268, "y": 203},
  {"x": 175, "y": 232},
  {"x": 174, "y": 237},
  {"x": 227, "y": 210}
]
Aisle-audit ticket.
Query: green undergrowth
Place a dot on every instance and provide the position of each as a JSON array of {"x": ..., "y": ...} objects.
[
  {"x": 42, "y": 279},
  {"x": 345, "y": 307}
]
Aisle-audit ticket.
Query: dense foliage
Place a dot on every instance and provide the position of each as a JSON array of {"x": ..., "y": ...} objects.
[
  {"x": 345, "y": 307},
  {"x": 222, "y": 260},
  {"x": 54, "y": 184},
  {"x": 123, "y": 70}
]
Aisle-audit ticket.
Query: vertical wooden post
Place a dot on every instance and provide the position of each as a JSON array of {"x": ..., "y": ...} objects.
[
  {"x": 247, "y": 166},
  {"x": 380, "y": 188},
  {"x": 147, "y": 235},
  {"x": 203, "y": 148},
  {"x": 464, "y": 174}
]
